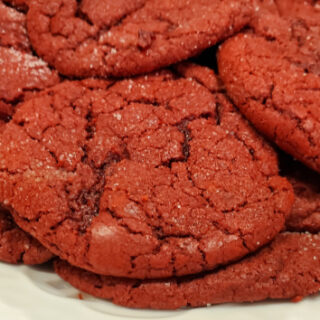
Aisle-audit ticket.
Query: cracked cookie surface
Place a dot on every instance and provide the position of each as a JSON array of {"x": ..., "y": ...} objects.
[
  {"x": 272, "y": 73},
  {"x": 287, "y": 268},
  {"x": 24, "y": 73},
  {"x": 305, "y": 214},
  {"x": 148, "y": 177},
  {"x": 16, "y": 246},
  {"x": 121, "y": 38},
  {"x": 13, "y": 29}
]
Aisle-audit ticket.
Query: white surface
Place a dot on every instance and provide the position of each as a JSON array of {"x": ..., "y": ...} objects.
[{"x": 38, "y": 294}]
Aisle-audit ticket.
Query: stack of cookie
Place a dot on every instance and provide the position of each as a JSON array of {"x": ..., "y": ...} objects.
[{"x": 153, "y": 181}]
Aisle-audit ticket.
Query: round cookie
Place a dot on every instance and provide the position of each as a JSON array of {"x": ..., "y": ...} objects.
[
  {"x": 272, "y": 73},
  {"x": 287, "y": 268},
  {"x": 25, "y": 74},
  {"x": 144, "y": 178},
  {"x": 121, "y": 38},
  {"x": 305, "y": 214},
  {"x": 13, "y": 30},
  {"x": 16, "y": 246},
  {"x": 296, "y": 27}
]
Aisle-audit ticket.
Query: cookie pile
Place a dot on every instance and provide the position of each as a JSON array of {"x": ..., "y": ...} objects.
[{"x": 152, "y": 180}]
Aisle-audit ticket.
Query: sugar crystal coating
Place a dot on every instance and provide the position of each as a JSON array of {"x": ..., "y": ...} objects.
[
  {"x": 272, "y": 73},
  {"x": 121, "y": 38},
  {"x": 16, "y": 246},
  {"x": 286, "y": 269},
  {"x": 147, "y": 177}
]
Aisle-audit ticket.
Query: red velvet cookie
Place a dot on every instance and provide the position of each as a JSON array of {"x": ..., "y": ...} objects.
[
  {"x": 13, "y": 32},
  {"x": 24, "y": 74},
  {"x": 121, "y": 38},
  {"x": 265, "y": 5},
  {"x": 287, "y": 268},
  {"x": 305, "y": 214},
  {"x": 148, "y": 177},
  {"x": 16, "y": 246},
  {"x": 273, "y": 75},
  {"x": 302, "y": 9}
]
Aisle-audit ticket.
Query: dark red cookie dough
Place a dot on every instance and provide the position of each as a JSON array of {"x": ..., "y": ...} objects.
[
  {"x": 13, "y": 31},
  {"x": 147, "y": 177},
  {"x": 272, "y": 73},
  {"x": 24, "y": 74},
  {"x": 121, "y": 38},
  {"x": 305, "y": 214},
  {"x": 16, "y": 246},
  {"x": 265, "y": 5},
  {"x": 303, "y": 9},
  {"x": 287, "y": 268},
  {"x": 295, "y": 25},
  {"x": 203, "y": 75},
  {"x": 21, "y": 74}
]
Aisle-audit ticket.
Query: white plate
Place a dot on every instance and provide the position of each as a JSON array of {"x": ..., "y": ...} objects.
[{"x": 36, "y": 293}]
